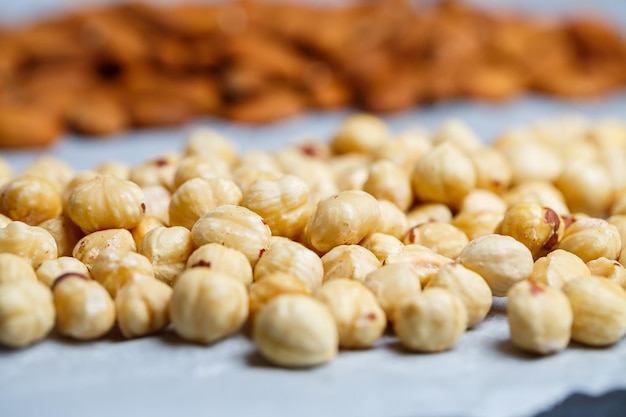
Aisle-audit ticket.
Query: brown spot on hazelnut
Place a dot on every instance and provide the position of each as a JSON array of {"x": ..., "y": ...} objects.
[
  {"x": 535, "y": 287},
  {"x": 264, "y": 221},
  {"x": 160, "y": 162},
  {"x": 552, "y": 219},
  {"x": 203, "y": 263},
  {"x": 261, "y": 252},
  {"x": 68, "y": 275},
  {"x": 143, "y": 207},
  {"x": 308, "y": 149},
  {"x": 371, "y": 316},
  {"x": 568, "y": 221}
]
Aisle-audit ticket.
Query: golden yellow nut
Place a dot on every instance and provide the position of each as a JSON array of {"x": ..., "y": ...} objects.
[
  {"x": 53, "y": 170},
  {"x": 443, "y": 238},
  {"x": 270, "y": 286},
  {"x": 207, "y": 305},
  {"x": 592, "y": 238},
  {"x": 457, "y": 132},
  {"x": 285, "y": 255},
  {"x": 477, "y": 223},
  {"x": 500, "y": 260},
  {"x": 470, "y": 287},
  {"x": 392, "y": 221},
  {"x": 30, "y": 199},
  {"x": 388, "y": 181},
  {"x": 141, "y": 230},
  {"x": 540, "y": 317},
  {"x": 599, "y": 307},
  {"x": 391, "y": 284},
  {"x": 32, "y": 243},
  {"x": 360, "y": 320},
  {"x": 493, "y": 171},
  {"x": 50, "y": 270},
  {"x": 540, "y": 229},
  {"x": 296, "y": 331},
  {"x": 157, "y": 200},
  {"x": 168, "y": 249},
  {"x": 15, "y": 268},
  {"x": 85, "y": 310},
  {"x": 283, "y": 203},
  {"x": 343, "y": 219},
  {"x": 428, "y": 212},
  {"x": 157, "y": 171},
  {"x": 106, "y": 202},
  {"x": 424, "y": 261},
  {"x": 432, "y": 321},
  {"x": 65, "y": 233},
  {"x": 610, "y": 269},
  {"x": 114, "y": 268},
  {"x": 208, "y": 142},
  {"x": 199, "y": 166},
  {"x": 199, "y": 195},
  {"x": 558, "y": 267},
  {"x": 382, "y": 245},
  {"x": 221, "y": 258},
  {"x": 236, "y": 227},
  {"x": 88, "y": 248},
  {"x": 349, "y": 261},
  {"x": 360, "y": 133},
  {"x": 142, "y": 307},
  {"x": 26, "y": 313}
]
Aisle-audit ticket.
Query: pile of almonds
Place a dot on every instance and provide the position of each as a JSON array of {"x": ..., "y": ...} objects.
[{"x": 102, "y": 71}]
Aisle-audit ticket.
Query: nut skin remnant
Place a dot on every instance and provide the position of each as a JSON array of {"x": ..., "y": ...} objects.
[
  {"x": 207, "y": 305},
  {"x": 296, "y": 331},
  {"x": 26, "y": 313},
  {"x": 540, "y": 317}
]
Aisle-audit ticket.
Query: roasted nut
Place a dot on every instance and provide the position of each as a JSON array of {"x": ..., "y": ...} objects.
[
  {"x": 424, "y": 261},
  {"x": 470, "y": 287},
  {"x": 84, "y": 309},
  {"x": 207, "y": 305},
  {"x": 540, "y": 317},
  {"x": 591, "y": 238},
  {"x": 50, "y": 270},
  {"x": 482, "y": 200},
  {"x": 141, "y": 230},
  {"x": 432, "y": 321},
  {"x": 493, "y": 171},
  {"x": 558, "y": 267},
  {"x": 199, "y": 167},
  {"x": 106, "y": 202},
  {"x": 30, "y": 199},
  {"x": 15, "y": 268},
  {"x": 428, "y": 212},
  {"x": 587, "y": 188},
  {"x": 296, "y": 331},
  {"x": 271, "y": 286},
  {"x": 343, "y": 219},
  {"x": 88, "y": 248},
  {"x": 360, "y": 133},
  {"x": 477, "y": 223},
  {"x": 168, "y": 249},
  {"x": 443, "y": 175},
  {"x": 33, "y": 243},
  {"x": 608, "y": 268},
  {"x": 285, "y": 255},
  {"x": 114, "y": 268},
  {"x": 599, "y": 307},
  {"x": 235, "y": 227},
  {"x": 349, "y": 261},
  {"x": 283, "y": 203},
  {"x": 159, "y": 171},
  {"x": 457, "y": 132},
  {"x": 539, "y": 228},
  {"x": 443, "y": 238},
  {"x": 388, "y": 181},
  {"x": 142, "y": 307},
  {"x": 500, "y": 260},
  {"x": 157, "y": 199},
  {"x": 382, "y": 245},
  {"x": 543, "y": 193},
  {"x": 208, "y": 142},
  {"x": 26, "y": 312},
  {"x": 392, "y": 220},
  {"x": 360, "y": 320},
  {"x": 65, "y": 233},
  {"x": 222, "y": 259},
  {"x": 391, "y": 284}
]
